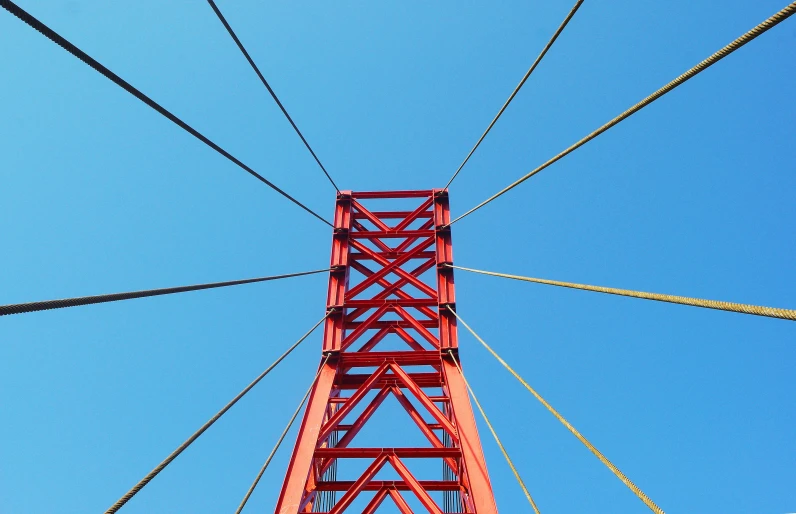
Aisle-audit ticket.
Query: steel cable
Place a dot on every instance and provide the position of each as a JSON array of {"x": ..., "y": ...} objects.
[
  {"x": 494, "y": 434},
  {"x": 281, "y": 438},
  {"x": 713, "y": 59},
  {"x": 329, "y": 498},
  {"x": 447, "y": 475},
  {"x": 324, "y": 500},
  {"x": 621, "y": 476},
  {"x": 152, "y": 474},
  {"x": 771, "y": 312},
  {"x": 519, "y": 86},
  {"x": 56, "y": 38},
  {"x": 20, "y": 308},
  {"x": 268, "y": 87}
]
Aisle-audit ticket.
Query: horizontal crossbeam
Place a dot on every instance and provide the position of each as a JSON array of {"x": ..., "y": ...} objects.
[
  {"x": 372, "y": 453},
  {"x": 375, "y": 485}
]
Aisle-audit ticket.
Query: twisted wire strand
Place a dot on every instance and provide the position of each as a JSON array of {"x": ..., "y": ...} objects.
[
  {"x": 20, "y": 308},
  {"x": 56, "y": 38},
  {"x": 160, "y": 467},
  {"x": 281, "y": 438},
  {"x": 621, "y": 476},
  {"x": 494, "y": 434},
  {"x": 771, "y": 312},
  {"x": 519, "y": 86},
  {"x": 769, "y": 23},
  {"x": 268, "y": 87}
]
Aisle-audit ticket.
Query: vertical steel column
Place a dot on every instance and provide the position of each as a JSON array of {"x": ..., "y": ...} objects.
[{"x": 379, "y": 291}]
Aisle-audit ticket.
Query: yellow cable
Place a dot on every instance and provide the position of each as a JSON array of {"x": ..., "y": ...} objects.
[
  {"x": 771, "y": 312},
  {"x": 621, "y": 476},
  {"x": 281, "y": 438},
  {"x": 494, "y": 434},
  {"x": 519, "y": 86},
  {"x": 774, "y": 20}
]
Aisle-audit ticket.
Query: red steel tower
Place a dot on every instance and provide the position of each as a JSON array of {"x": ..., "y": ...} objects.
[{"x": 382, "y": 262}]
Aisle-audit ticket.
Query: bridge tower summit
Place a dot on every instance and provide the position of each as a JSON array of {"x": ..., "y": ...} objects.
[{"x": 389, "y": 338}]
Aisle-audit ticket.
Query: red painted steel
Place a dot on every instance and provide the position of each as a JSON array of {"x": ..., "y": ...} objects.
[{"x": 388, "y": 279}]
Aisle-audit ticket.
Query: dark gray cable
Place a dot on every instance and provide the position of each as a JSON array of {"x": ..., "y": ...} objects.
[
  {"x": 270, "y": 90},
  {"x": 20, "y": 308},
  {"x": 56, "y": 38}
]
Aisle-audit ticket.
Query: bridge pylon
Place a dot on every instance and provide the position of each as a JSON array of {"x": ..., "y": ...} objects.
[{"x": 389, "y": 287}]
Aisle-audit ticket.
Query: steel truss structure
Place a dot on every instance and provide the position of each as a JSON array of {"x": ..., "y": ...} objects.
[{"x": 381, "y": 264}]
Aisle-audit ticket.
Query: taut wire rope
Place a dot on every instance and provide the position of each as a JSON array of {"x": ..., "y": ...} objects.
[
  {"x": 268, "y": 87},
  {"x": 494, "y": 434},
  {"x": 517, "y": 89},
  {"x": 771, "y": 312},
  {"x": 769, "y": 23},
  {"x": 621, "y": 476},
  {"x": 152, "y": 474},
  {"x": 56, "y": 38},
  {"x": 19, "y": 308},
  {"x": 281, "y": 438}
]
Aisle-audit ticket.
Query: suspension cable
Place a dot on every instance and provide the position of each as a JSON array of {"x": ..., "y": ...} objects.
[
  {"x": 56, "y": 38},
  {"x": 771, "y": 312},
  {"x": 281, "y": 437},
  {"x": 494, "y": 434},
  {"x": 152, "y": 474},
  {"x": 621, "y": 476},
  {"x": 517, "y": 89},
  {"x": 20, "y": 308},
  {"x": 268, "y": 87},
  {"x": 713, "y": 59}
]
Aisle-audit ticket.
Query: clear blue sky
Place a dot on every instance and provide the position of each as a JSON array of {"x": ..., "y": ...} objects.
[{"x": 692, "y": 196}]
